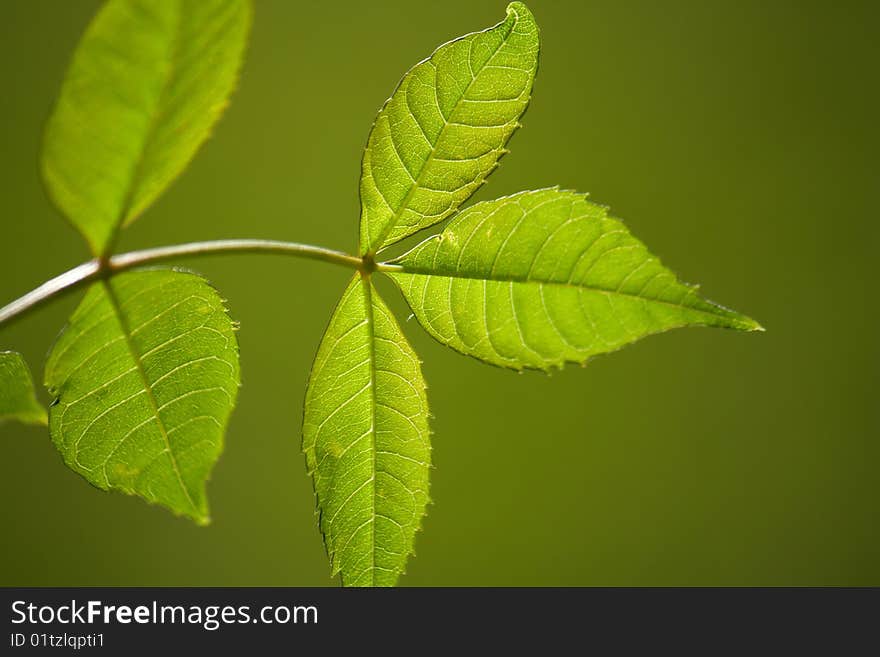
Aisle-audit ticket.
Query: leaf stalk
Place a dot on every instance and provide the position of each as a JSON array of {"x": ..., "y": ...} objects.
[{"x": 107, "y": 267}]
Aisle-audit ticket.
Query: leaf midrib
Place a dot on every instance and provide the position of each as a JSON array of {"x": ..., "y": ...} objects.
[
  {"x": 156, "y": 114},
  {"x": 371, "y": 336},
  {"x": 721, "y": 311},
  {"x": 126, "y": 332}
]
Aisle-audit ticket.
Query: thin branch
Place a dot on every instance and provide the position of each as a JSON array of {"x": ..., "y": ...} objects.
[
  {"x": 125, "y": 261},
  {"x": 69, "y": 280},
  {"x": 95, "y": 269}
]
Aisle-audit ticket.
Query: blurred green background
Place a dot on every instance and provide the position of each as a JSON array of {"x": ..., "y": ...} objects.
[{"x": 738, "y": 140}]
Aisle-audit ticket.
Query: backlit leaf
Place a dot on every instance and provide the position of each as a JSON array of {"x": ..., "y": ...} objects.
[
  {"x": 443, "y": 131},
  {"x": 146, "y": 84},
  {"x": 366, "y": 440},
  {"x": 17, "y": 399},
  {"x": 145, "y": 376},
  {"x": 544, "y": 277}
]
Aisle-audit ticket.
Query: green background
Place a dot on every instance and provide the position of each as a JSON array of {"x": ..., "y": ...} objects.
[{"x": 738, "y": 140}]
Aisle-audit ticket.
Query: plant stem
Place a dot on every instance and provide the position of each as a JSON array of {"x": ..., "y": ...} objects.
[
  {"x": 125, "y": 261},
  {"x": 104, "y": 268}
]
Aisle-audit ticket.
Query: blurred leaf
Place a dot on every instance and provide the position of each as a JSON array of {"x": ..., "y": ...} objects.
[
  {"x": 544, "y": 277},
  {"x": 146, "y": 84},
  {"x": 144, "y": 377},
  {"x": 366, "y": 440},
  {"x": 444, "y": 129},
  {"x": 17, "y": 399}
]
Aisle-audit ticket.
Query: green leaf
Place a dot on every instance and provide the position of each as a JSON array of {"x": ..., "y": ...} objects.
[
  {"x": 366, "y": 440},
  {"x": 544, "y": 277},
  {"x": 17, "y": 398},
  {"x": 145, "y": 376},
  {"x": 146, "y": 84},
  {"x": 443, "y": 131}
]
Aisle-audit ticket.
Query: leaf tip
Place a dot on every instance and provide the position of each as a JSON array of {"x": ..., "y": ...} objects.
[
  {"x": 744, "y": 323},
  {"x": 518, "y": 9},
  {"x": 740, "y": 322}
]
